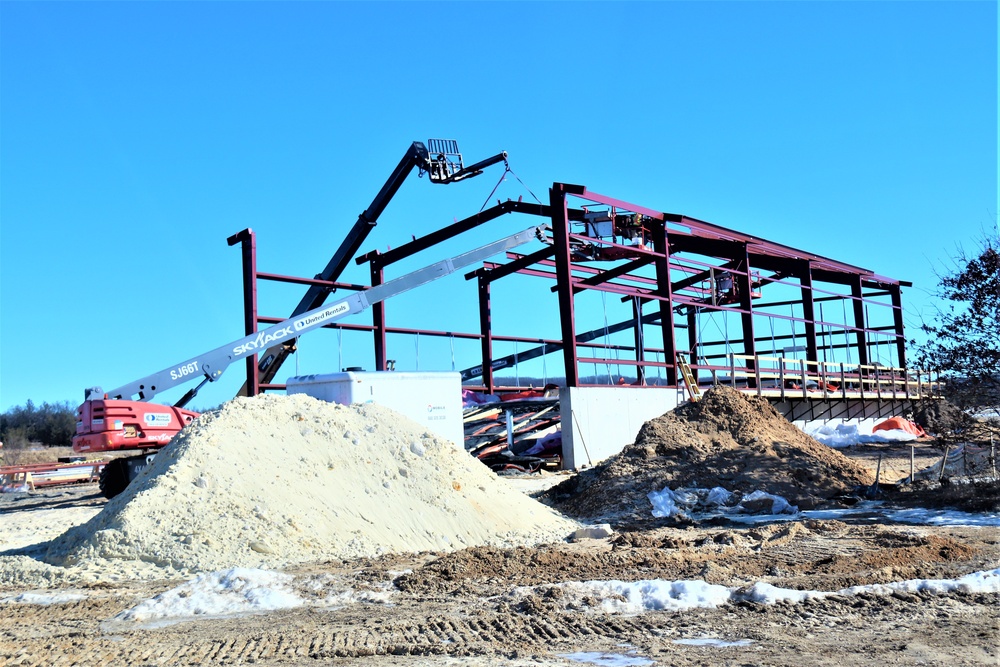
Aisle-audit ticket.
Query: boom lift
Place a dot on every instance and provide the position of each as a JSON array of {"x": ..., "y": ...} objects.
[
  {"x": 442, "y": 162},
  {"x": 122, "y": 419}
]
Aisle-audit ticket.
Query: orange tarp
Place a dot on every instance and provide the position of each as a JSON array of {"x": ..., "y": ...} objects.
[{"x": 900, "y": 424}]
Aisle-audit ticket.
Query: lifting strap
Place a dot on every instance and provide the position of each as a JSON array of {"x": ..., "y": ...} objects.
[{"x": 689, "y": 382}]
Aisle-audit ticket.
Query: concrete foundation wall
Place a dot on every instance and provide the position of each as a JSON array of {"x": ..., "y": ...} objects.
[{"x": 598, "y": 422}]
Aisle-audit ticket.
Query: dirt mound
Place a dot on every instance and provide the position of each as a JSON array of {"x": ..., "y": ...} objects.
[
  {"x": 727, "y": 439},
  {"x": 275, "y": 480},
  {"x": 939, "y": 416}
]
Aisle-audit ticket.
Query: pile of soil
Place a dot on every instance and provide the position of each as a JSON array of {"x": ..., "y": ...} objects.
[
  {"x": 726, "y": 439},
  {"x": 937, "y": 415},
  {"x": 276, "y": 480}
]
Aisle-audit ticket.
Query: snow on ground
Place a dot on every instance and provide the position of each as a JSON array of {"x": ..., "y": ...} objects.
[
  {"x": 43, "y": 598},
  {"x": 874, "y": 511},
  {"x": 608, "y": 659},
  {"x": 635, "y": 597},
  {"x": 216, "y": 594},
  {"x": 713, "y": 641},
  {"x": 845, "y": 435},
  {"x": 238, "y": 592},
  {"x": 762, "y": 507}
]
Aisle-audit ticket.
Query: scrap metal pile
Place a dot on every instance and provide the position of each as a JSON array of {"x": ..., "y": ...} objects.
[{"x": 515, "y": 432}]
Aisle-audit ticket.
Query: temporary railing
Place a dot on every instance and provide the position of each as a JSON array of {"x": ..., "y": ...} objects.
[{"x": 799, "y": 378}]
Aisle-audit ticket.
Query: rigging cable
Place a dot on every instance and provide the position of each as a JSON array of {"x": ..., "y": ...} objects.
[
  {"x": 503, "y": 177},
  {"x": 847, "y": 338}
]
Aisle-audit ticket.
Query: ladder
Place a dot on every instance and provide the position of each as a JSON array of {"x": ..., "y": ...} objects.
[{"x": 689, "y": 382}]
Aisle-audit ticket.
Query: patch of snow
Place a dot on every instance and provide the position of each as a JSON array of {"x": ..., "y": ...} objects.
[
  {"x": 987, "y": 581},
  {"x": 595, "y": 532},
  {"x": 242, "y": 591},
  {"x": 229, "y": 592},
  {"x": 928, "y": 517},
  {"x": 845, "y": 435},
  {"x": 659, "y": 594},
  {"x": 43, "y": 598},
  {"x": 609, "y": 659},
  {"x": 765, "y": 593},
  {"x": 875, "y": 512},
  {"x": 712, "y": 641},
  {"x": 638, "y": 596}
]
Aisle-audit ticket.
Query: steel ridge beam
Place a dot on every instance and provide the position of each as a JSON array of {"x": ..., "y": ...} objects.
[
  {"x": 582, "y": 192},
  {"x": 445, "y": 233},
  {"x": 391, "y": 256}
]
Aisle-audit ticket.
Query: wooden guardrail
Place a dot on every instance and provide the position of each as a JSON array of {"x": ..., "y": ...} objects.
[{"x": 799, "y": 378}]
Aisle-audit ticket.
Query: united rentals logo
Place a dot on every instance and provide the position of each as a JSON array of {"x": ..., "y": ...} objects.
[{"x": 322, "y": 316}]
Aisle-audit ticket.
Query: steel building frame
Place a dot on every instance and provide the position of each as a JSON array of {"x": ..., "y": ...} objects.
[{"x": 671, "y": 269}]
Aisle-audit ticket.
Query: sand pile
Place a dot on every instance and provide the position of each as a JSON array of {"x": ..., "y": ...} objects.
[
  {"x": 727, "y": 439},
  {"x": 276, "y": 480}
]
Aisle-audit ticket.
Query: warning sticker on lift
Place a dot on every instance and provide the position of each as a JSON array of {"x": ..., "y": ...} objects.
[{"x": 156, "y": 419}]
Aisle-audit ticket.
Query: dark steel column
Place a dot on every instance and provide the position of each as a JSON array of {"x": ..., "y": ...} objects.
[
  {"x": 564, "y": 272},
  {"x": 486, "y": 328},
  {"x": 746, "y": 314},
  {"x": 378, "y": 318},
  {"x": 859, "y": 320},
  {"x": 248, "y": 247},
  {"x": 640, "y": 370},
  {"x": 692, "y": 322},
  {"x": 895, "y": 293},
  {"x": 809, "y": 312},
  {"x": 664, "y": 290}
]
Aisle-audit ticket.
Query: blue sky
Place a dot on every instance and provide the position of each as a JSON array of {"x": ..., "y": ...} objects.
[{"x": 136, "y": 137}]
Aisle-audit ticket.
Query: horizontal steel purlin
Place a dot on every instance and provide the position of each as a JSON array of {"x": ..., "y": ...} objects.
[{"x": 276, "y": 277}]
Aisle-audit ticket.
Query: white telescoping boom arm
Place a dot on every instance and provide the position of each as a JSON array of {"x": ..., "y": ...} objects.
[{"x": 211, "y": 365}]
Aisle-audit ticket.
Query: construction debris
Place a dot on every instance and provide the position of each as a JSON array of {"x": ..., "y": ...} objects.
[{"x": 520, "y": 434}]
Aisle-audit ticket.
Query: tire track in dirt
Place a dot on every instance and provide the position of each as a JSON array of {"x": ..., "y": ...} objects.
[
  {"x": 303, "y": 635},
  {"x": 294, "y": 640}
]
